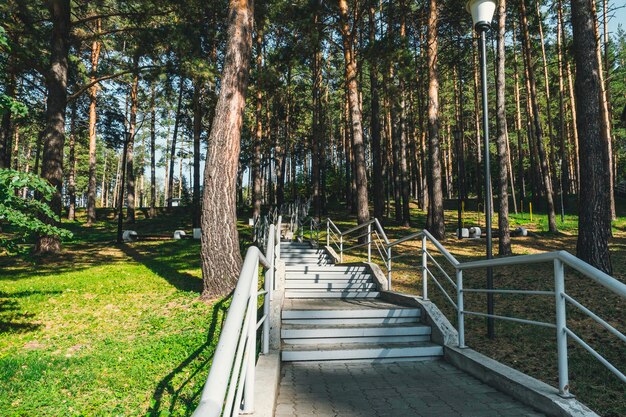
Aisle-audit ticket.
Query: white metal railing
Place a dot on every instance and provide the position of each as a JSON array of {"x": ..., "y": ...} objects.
[
  {"x": 559, "y": 260},
  {"x": 229, "y": 389}
]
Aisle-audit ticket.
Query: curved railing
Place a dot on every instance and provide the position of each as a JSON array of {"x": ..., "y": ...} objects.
[
  {"x": 229, "y": 389},
  {"x": 560, "y": 259}
]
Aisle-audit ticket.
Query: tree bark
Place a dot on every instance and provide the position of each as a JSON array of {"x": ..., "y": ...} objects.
[
  {"x": 153, "y": 152},
  {"x": 54, "y": 134},
  {"x": 543, "y": 162},
  {"x": 132, "y": 131},
  {"x": 257, "y": 192},
  {"x": 594, "y": 221},
  {"x": 504, "y": 240},
  {"x": 197, "y": 130},
  {"x": 377, "y": 177},
  {"x": 605, "y": 111},
  {"x": 220, "y": 254},
  {"x": 316, "y": 134},
  {"x": 93, "y": 92},
  {"x": 172, "y": 161},
  {"x": 436, "y": 226},
  {"x": 355, "y": 113},
  {"x": 565, "y": 178},
  {"x": 71, "y": 178}
]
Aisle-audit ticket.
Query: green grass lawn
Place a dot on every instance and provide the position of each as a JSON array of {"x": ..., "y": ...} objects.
[{"x": 106, "y": 329}]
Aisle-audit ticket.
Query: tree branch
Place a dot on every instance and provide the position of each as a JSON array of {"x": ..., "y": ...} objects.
[{"x": 87, "y": 86}]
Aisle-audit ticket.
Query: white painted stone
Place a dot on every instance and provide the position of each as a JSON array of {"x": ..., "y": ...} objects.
[
  {"x": 474, "y": 232},
  {"x": 465, "y": 233},
  {"x": 179, "y": 234},
  {"x": 129, "y": 236}
]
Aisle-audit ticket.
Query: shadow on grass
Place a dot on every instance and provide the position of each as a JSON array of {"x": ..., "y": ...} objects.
[
  {"x": 190, "y": 374},
  {"x": 165, "y": 267},
  {"x": 12, "y": 319}
]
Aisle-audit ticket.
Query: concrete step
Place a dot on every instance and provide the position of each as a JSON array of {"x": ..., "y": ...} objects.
[
  {"x": 329, "y": 352},
  {"x": 334, "y": 269},
  {"x": 295, "y": 276},
  {"x": 356, "y": 340},
  {"x": 295, "y": 262},
  {"x": 301, "y": 250},
  {"x": 330, "y": 281},
  {"x": 351, "y": 313},
  {"x": 331, "y": 294},
  {"x": 317, "y": 332},
  {"x": 329, "y": 286},
  {"x": 306, "y": 254}
]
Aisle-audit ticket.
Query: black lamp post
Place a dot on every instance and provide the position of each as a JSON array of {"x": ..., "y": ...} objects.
[{"x": 482, "y": 14}]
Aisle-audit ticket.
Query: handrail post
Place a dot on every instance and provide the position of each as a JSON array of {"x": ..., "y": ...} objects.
[
  {"x": 369, "y": 242},
  {"x": 459, "y": 303},
  {"x": 561, "y": 335},
  {"x": 340, "y": 248},
  {"x": 266, "y": 308},
  {"x": 248, "y": 390},
  {"x": 424, "y": 270},
  {"x": 327, "y": 232},
  {"x": 389, "y": 268}
]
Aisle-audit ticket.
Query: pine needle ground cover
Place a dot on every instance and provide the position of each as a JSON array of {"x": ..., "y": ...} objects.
[
  {"x": 530, "y": 349},
  {"x": 106, "y": 329}
]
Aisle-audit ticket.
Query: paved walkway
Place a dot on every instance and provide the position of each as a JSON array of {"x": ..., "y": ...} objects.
[{"x": 426, "y": 389}]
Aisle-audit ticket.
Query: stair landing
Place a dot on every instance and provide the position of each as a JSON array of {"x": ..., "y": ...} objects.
[{"x": 404, "y": 389}]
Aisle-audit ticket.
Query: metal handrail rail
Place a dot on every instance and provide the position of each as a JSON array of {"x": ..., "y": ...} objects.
[
  {"x": 560, "y": 259},
  {"x": 229, "y": 388}
]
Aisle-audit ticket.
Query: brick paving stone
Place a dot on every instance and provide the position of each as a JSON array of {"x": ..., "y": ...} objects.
[{"x": 403, "y": 389}]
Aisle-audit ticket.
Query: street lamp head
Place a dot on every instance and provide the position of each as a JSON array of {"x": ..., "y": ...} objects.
[{"x": 482, "y": 12}]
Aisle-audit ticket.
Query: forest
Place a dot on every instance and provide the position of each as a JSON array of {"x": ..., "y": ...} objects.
[{"x": 375, "y": 104}]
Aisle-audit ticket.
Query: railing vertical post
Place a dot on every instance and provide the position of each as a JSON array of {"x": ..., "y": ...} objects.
[
  {"x": 424, "y": 270},
  {"x": 561, "y": 335},
  {"x": 340, "y": 248},
  {"x": 266, "y": 308},
  {"x": 369, "y": 242},
  {"x": 327, "y": 232},
  {"x": 389, "y": 268},
  {"x": 459, "y": 303},
  {"x": 248, "y": 390}
]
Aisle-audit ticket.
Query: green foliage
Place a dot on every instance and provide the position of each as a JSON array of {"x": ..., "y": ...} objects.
[{"x": 24, "y": 215}]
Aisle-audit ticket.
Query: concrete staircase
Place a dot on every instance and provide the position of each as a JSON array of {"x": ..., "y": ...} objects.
[{"x": 333, "y": 312}]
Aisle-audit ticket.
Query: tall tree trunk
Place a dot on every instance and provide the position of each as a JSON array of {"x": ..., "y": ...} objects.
[
  {"x": 316, "y": 134},
  {"x": 197, "y": 130},
  {"x": 71, "y": 178},
  {"x": 504, "y": 240},
  {"x": 170, "y": 180},
  {"x": 221, "y": 258},
  {"x": 605, "y": 112},
  {"x": 518, "y": 123},
  {"x": 377, "y": 178},
  {"x": 355, "y": 113},
  {"x": 132, "y": 131},
  {"x": 257, "y": 194},
  {"x": 93, "y": 92},
  {"x": 594, "y": 222},
  {"x": 565, "y": 179},
  {"x": 153, "y": 151},
  {"x": 54, "y": 135},
  {"x": 544, "y": 62},
  {"x": 537, "y": 120},
  {"x": 103, "y": 184},
  {"x": 437, "y": 225},
  {"x": 404, "y": 168}
]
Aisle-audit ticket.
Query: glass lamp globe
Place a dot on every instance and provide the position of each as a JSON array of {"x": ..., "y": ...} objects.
[{"x": 482, "y": 12}]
